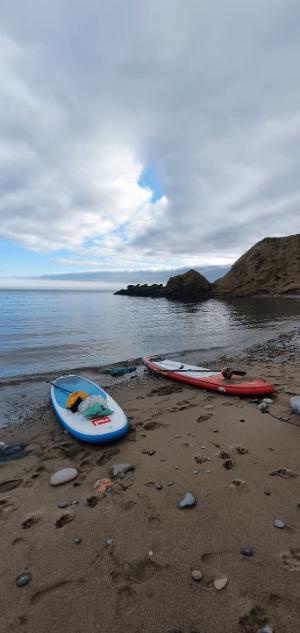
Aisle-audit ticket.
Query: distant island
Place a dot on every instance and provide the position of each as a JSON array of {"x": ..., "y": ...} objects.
[{"x": 270, "y": 268}]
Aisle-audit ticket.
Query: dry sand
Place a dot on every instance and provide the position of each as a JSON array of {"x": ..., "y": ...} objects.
[{"x": 141, "y": 582}]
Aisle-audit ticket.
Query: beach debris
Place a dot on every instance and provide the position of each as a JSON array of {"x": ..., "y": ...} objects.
[
  {"x": 23, "y": 579},
  {"x": 119, "y": 470},
  {"x": 149, "y": 451},
  {"x": 220, "y": 583},
  {"x": 188, "y": 501},
  {"x": 120, "y": 371},
  {"x": 295, "y": 404},
  {"x": 196, "y": 575},
  {"x": 263, "y": 407},
  {"x": 246, "y": 551},
  {"x": 101, "y": 486},
  {"x": 223, "y": 454},
  {"x": 201, "y": 459},
  {"x": 238, "y": 448},
  {"x": 64, "y": 518},
  {"x": 62, "y": 504},
  {"x": 63, "y": 476},
  {"x": 279, "y": 524},
  {"x": 228, "y": 464},
  {"x": 9, "y": 452},
  {"x": 30, "y": 520},
  {"x": 283, "y": 472},
  {"x": 77, "y": 540},
  {"x": 237, "y": 483}
]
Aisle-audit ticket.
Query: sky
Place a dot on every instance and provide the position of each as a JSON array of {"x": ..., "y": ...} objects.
[{"x": 143, "y": 137}]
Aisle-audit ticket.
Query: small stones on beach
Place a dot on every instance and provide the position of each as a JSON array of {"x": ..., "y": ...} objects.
[
  {"x": 63, "y": 476},
  {"x": 220, "y": 583},
  {"x": 283, "y": 472},
  {"x": 158, "y": 487},
  {"x": 196, "y": 575},
  {"x": 279, "y": 524},
  {"x": 77, "y": 540},
  {"x": 62, "y": 504},
  {"x": 263, "y": 407},
  {"x": 150, "y": 554},
  {"x": 265, "y": 629},
  {"x": 119, "y": 470},
  {"x": 108, "y": 542},
  {"x": 177, "y": 436},
  {"x": 246, "y": 551},
  {"x": 195, "y": 472},
  {"x": 23, "y": 580},
  {"x": 267, "y": 492},
  {"x": 209, "y": 406},
  {"x": 188, "y": 501},
  {"x": 170, "y": 483}
]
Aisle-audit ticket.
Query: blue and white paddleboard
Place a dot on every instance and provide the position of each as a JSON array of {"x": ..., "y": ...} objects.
[{"x": 105, "y": 429}]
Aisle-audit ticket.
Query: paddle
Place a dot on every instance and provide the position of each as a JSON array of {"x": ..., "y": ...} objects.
[
  {"x": 61, "y": 388},
  {"x": 229, "y": 371}
]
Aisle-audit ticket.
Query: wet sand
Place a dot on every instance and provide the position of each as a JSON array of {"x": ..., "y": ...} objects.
[{"x": 132, "y": 570}]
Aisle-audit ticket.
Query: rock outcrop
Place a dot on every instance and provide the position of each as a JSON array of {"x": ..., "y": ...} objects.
[
  {"x": 270, "y": 267},
  {"x": 189, "y": 286}
]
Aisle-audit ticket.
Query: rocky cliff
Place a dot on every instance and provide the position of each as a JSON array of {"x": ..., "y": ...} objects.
[{"x": 270, "y": 267}]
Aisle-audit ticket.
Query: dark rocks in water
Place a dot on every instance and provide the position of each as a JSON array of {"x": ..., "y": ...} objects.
[
  {"x": 119, "y": 470},
  {"x": 191, "y": 285},
  {"x": 9, "y": 452},
  {"x": 23, "y": 580},
  {"x": 247, "y": 551},
  {"x": 188, "y": 286},
  {"x": 188, "y": 501}
]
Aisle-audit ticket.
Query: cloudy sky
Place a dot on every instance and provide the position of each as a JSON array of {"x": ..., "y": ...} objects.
[{"x": 146, "y": 134}]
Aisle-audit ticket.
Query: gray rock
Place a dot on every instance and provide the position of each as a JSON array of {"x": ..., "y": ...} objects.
[
  {"x": 196, "y": 575},
  {"x": 119, "y": 470},
  {"x": 62, "y": 504},
  {"x": 279, "y": 524},
  {"x": 63, "y": 476},
  {"x": 23, "y": 580},
  {"x": 77, "y": 540},
  {"x": 188, "y": 501},
  {"x": 247, "y": 551},
  {"x": 109, "y": 542},
  {"x": 220, "y": 583}
]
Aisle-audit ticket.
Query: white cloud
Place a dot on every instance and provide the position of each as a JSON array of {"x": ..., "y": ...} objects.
[{"x": 209, "y": 93}]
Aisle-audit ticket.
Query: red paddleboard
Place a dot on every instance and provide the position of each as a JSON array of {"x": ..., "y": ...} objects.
[{"x": 208, "y": 379}]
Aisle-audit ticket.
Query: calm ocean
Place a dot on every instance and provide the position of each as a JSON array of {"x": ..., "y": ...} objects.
[{"x": 49, "y": 330}]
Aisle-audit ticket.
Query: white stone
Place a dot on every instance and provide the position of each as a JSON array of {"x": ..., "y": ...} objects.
[
  {"x": 63, "y": 476},
  {"x": 220, "y": 583}
]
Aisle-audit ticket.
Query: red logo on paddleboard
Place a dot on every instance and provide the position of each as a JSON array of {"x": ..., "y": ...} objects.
[{"x": 99, "y": 421}]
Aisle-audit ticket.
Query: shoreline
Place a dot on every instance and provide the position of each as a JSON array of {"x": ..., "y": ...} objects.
[{"x": 124, "y": 562}]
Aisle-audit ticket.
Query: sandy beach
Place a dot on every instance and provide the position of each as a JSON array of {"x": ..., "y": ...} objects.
[{"x": 123, "y": 561}]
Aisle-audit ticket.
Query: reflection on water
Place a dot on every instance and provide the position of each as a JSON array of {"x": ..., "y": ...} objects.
[{"x": 49, "y": 330}]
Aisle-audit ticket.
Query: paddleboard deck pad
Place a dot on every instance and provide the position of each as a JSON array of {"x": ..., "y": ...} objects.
[
  {"x": 96, "y": 431},
  {"x": 208, "y": 379}
]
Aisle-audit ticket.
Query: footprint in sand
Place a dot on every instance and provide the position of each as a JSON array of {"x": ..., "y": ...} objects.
[
  {"x": 10, "y": 484},
  {"x": 30, "y": 520},
  {"x": 204, "y": 418},
  {"x": 290, "y": 559},
  {"x": 254, "y": 620},
  {"x": 64, "y": 518}
]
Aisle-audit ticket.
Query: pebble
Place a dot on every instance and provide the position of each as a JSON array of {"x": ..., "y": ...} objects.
[
  {"x": 207, "y": 471},
  {"x": 267, "y": 492},
  {"x": 195, "y": 472},
  {"x": 268, "y": 400},
  {"x": 170, "y": 483},
  {"x": 75, "y": 502},
  {"x": 279, "y": 524},
  {"x": 263, "y": 407},
  {"x": 220, "y": 583},
  {"x": 203, "y": 447},
  {"x": 77, "y": 540},
  {"x": 23, "y": 580},
  {"x": 159, "y": 487},
  {"x": 208, "y": 406},
  {"x": 177, "y": 467},
  {"x": 177, "y": 436},
  {"x": 118, "y": 470},
  {"x": 62, "y": 504},
  {"x": 265, "y": 629},
  {"x": 109, "y": 541},
  {"x": 188, "y": 501},
  {"x": 150, "y": 554},
  {"x": 63, "y": 476},
  {"x": 247, "y": 551},
  {"x": 196, "y": 575}
]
